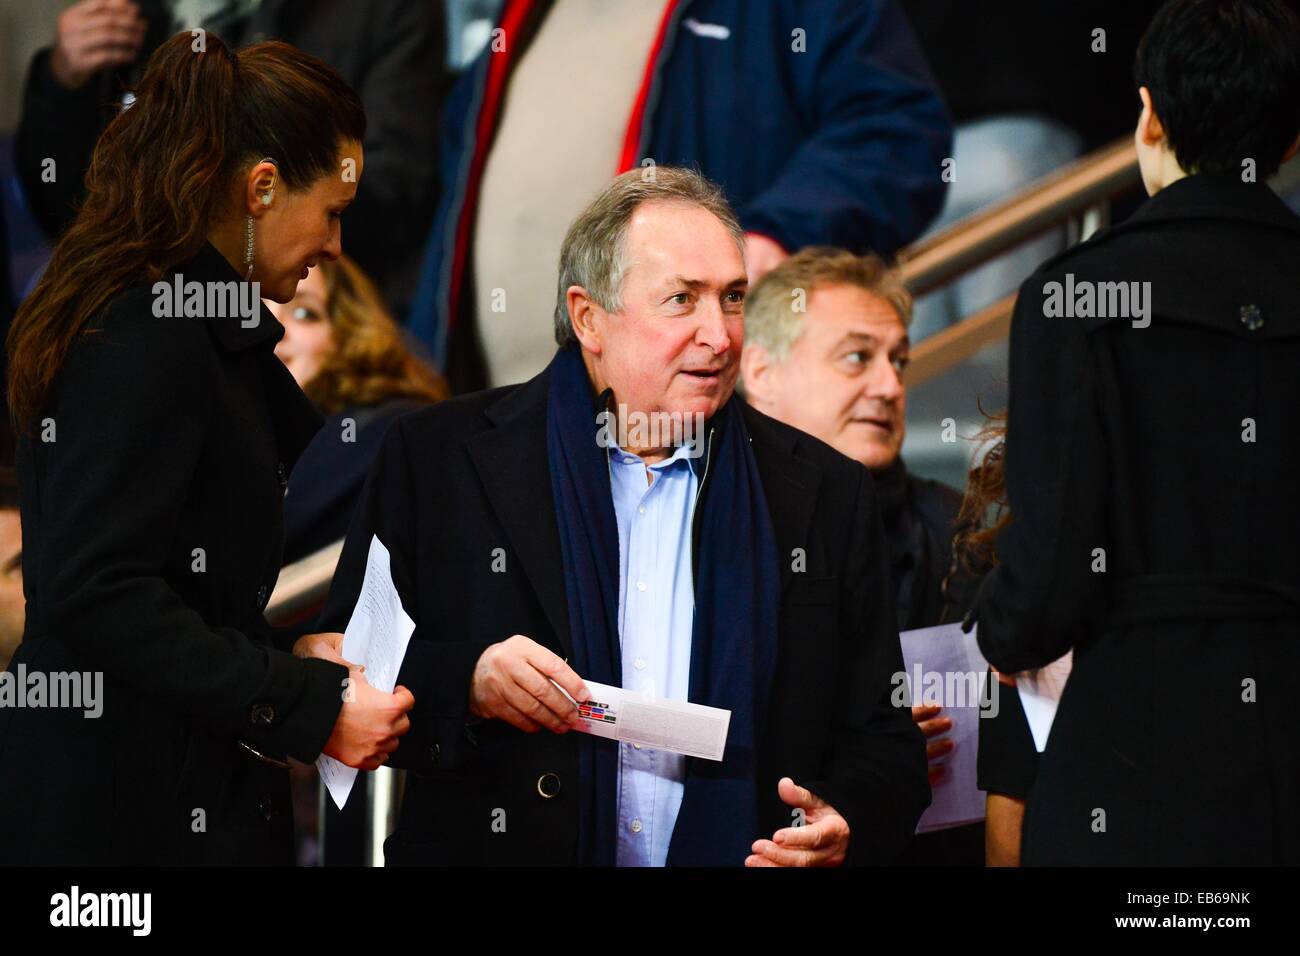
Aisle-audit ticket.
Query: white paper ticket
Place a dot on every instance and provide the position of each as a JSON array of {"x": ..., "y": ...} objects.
[{"x": 691, "y": 729}]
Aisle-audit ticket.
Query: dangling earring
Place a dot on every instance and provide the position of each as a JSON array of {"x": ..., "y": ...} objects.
[{"x": 248, "y": 247}]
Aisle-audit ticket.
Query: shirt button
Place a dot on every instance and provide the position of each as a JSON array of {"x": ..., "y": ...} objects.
[
  {"x": 639, "y": 663},
  {"x": 636, "y": 746},
  {"x": 641, "y": 510},
  {"x": 261, "y": 715},
  {"x": 640, "y": 585},
  {"x": 636, "y": 826}
]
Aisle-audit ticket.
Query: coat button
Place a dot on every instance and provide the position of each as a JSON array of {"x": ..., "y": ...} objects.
[
  {"x": 548, "y": 785},
  {"x": 281, "y": 475},
  {"x": 1252, "y": 318},
  {"x": 267, "y": 807},
  {"x": 262, "y": 715},
  {"x": 263, "y": 595},
  {"x": 434, "y": 753}
]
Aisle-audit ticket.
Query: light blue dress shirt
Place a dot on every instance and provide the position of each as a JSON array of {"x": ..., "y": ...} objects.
[{"x": 656, "y": 614}]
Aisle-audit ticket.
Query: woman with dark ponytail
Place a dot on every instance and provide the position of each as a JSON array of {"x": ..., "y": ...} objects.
[{"x": 150, "y": 707}]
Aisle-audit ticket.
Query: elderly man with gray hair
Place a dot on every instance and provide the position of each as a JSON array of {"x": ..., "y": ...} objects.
[{"x": 622, "y": 520}]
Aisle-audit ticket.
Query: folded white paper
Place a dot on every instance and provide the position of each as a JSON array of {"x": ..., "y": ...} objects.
[
  {"x": 376, "y": 636},
  {"x": 945, "y": 666},
  {"x": 691, "y": 729},
  {"x": 1040, "y": 693}
]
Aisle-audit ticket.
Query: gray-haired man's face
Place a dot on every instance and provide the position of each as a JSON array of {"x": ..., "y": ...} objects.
[
  {"x": 675, "y": 345},
  {"x": 842, "y": 379}
]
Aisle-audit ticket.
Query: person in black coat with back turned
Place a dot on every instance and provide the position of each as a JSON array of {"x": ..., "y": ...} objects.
[
  {"x": 1151, "y": 458},
  {"x": 156, "y": 436},
  {"x": 740, "y": 564}
]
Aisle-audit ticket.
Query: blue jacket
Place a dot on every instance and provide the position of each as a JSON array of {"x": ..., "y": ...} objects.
[{"x": 819, "y": 118}]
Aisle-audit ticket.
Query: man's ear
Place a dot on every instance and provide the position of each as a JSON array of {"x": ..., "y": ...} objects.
[
  {"x": 756, "y": 372},
  {"x": 259, "y": 188},
  {"x": 1152, "y": 130},
  {"x": 583, "y": 313}
]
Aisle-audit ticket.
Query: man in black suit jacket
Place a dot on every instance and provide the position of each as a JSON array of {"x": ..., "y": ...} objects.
[
  {"x": 833, "y": 367},
  {"x": 470, "y": 498}
]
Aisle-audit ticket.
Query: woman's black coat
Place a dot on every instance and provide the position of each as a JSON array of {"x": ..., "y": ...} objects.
[
  {"x": 1151, "y": 473},
  {"x": 151, "y": 509}
]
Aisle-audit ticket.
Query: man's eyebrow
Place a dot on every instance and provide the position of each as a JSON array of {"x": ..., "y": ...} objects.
[
  {"x": 696, "y": 284},
  {"x": 865, "y": 338},
  {"x": 857, "y": 338}
]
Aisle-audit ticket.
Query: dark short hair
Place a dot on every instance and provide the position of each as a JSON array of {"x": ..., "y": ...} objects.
[{"x": 1224, "y": 77}]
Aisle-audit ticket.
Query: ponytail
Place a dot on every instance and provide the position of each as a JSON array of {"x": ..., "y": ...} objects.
[{"x": 160, "y": 180}]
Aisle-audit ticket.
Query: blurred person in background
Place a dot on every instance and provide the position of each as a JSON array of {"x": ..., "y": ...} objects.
[
  {"x": 1007, "y": 760},
  {"x": 392, "y": 52},
  {"x": 346, "y": 353},
  {"x": 12, "y": 602},
  {"x": 819, "y": 120},
  {"x": 826, "y": 344},
  {"x": 6, "y": 316}
]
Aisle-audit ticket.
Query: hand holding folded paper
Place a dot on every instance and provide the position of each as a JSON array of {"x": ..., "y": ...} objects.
[{"x": 374, "y": 710}]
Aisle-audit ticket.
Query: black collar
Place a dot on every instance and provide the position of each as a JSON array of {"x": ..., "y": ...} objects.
[
  {"x": 891, "y": 490},
  {"x": 1217, "y": 196},
  {"x": 209, "y": 265}
]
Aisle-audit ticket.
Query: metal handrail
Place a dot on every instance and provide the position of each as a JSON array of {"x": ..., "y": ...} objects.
[
  {"x": 951, "y": 346},
  {"x": 1043, "y": 204},
  {"x": 1079, "y": 192}
]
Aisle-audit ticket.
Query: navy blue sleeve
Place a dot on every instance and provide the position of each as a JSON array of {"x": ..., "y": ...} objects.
[{"x": 869, "y": 176}]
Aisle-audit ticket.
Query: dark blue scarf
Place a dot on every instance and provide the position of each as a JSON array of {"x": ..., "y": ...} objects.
[{"x": 733, "y": 643}]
